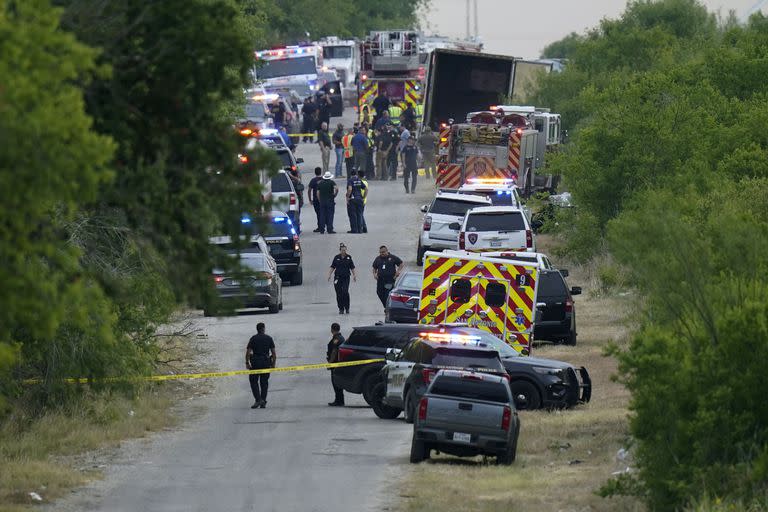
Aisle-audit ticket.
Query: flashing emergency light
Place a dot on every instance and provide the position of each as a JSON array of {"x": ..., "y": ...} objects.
[
  {"x": 490, "y": 181},
  {"x": 279, "y": 219},
  {"x": 269, "y": 132},
  {"x": 245, "y": 132},
  {"x": 493, "y": 107},
  {"x": 446, "y": 337},
  {"x": 265, "y": 97},
  {"x": 243, "y": 159},
  {"x": 364, "y": 77},
  {"x": 245, "y": 219},
  {"x": 501, "y": 192},
  {"x": 331, "y": 90},
  {"x": 519, "y": 131}
]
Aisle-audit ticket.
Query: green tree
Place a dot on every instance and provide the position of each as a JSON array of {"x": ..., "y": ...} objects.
[
  {"x": 564, "y": 48},
  {"x": 51, "y": 162}
]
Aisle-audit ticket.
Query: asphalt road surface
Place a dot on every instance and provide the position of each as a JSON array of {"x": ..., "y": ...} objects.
[{"x": 298, "y": 454}]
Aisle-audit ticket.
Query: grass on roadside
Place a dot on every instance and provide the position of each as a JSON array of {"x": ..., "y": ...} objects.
[
  {"x": 35, "y": 454},
  {"x": 563, "y": 456}
]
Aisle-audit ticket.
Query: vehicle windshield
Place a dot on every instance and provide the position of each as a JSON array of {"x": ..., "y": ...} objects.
[
  {"x": 470, "y": 389},
  {"x": 495, "y": 343},
  {"x": 458, "y": 358},
  {"x": 286, "y": 67},
  {"x": 253, "y": 261},
  {"x": 279, "y": 226},
  {"x": 337, "y": 52},
  {"x": 285, "y": 158},
  {"x": 443, "y": 206},
  {"x": 281, "y": 183},
  {"x": 506, "y": 221},
  {"x": 501, "y": 198},
  {"x": 412, "y": 280},
  {"x": 551, "y": 284},
  {"x": 255, "y": 110}
]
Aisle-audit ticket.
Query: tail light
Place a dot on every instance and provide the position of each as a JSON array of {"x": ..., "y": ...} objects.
[
  {"x": 345, "y": 354},
  {"x": 292, "y": 200},
  {"x": 423, "y": 404},
  {"x": 568, "y": 305},
  {"x": 218, "y": 279},
  {"x": 506, "y": 418},
  {"x": 243, "y": 159},
  {"x": 296, "y": 246},
  {"x": 399, "y": 297},
  {"x": 427, "y": 223},
  {"x": 529, "y": 238},
  {"x": 265, "y": 276},
  {"x": 427, "y": 374},
  {"x": 461, "y": 240}
]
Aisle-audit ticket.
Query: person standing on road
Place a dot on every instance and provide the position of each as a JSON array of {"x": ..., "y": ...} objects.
[
  {"x": 326, "y": 192},
  {"x": 278, "y": 112},
  {"x": 349, "y": 152},
  {"x": 380, "y": 104},
  {"x": 364, "y": 226},
  {"x": 360, "y": 147},
  {"x": 342, "y": 267},
  {"x": 338, "y": 147},
  {"x": 410, "y": 164},
  {"x": 386, "y": 268},
  {"x": 355, "y": 188},
  {"x": 324, "y": 140},
  {"x": 308, "y": 113},
  {"x": 394, "y": 137},
  {"x": 260, "y": 354},
  {"x": 332, "y": 356},
  {"x": 314, "y": 197},
  {"x": 383, "y": 145},
  {"x": 427, "y": 145},
  {"x": 323, "y": 109}
]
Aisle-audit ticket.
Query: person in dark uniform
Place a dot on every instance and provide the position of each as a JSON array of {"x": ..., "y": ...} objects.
[
  {"x": 386, "y": 268},
  {"x": 355, "y": 202},
  {"x": 314, "y": 197},
  {"x": 332, "y": 356},
  {"x": 259, "y": 354},
  {"x": 343, "y": 266}
]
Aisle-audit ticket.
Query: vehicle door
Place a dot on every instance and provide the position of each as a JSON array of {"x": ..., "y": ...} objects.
[
  {"x": 523, "y": 285},
  {"x": 399, "y": 370},
  {"x": 492, "y": 307},
  {"x": 461, "y": 302},
  {"x": 333, "y": 90}
]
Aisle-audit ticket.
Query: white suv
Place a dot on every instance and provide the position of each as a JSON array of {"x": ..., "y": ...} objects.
[
  {"x": 500, "y": 194},
  {"x": 496, "y": 228},
  {"x": 440, "y": 230}
]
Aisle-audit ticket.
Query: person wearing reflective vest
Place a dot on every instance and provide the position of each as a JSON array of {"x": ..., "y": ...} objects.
[
  {"x": 394, "y": 114},
  {"x": 419, "y": 113},
  {"x": 349, "y": 153}
]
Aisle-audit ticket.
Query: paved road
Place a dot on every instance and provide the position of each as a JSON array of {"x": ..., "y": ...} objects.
[{"x": 298, "y": 454}]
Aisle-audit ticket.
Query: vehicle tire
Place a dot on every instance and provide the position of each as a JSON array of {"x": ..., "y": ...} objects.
[
  {"x": 382, "y": 410},
  {"x": 274, "y": 308},
  {"x": 207, "y": 312},
  {"x": 410, "y": 408},
  {"x": 529, "y": 391},
  {"x": 571, "y": 339},
  {"x": 297, "y": 277},
  {"x": 368, "y": 385},
  {"x": 420, "y": 255},
  {"x": 280, "y": 306},
  {"x": 418, "y": 450},
  {"x": 509, "y": 456}
]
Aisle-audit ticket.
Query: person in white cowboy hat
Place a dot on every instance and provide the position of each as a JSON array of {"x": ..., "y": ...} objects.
[{"x": 326, "y": 193}]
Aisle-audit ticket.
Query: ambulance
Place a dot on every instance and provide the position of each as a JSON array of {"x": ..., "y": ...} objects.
[{"x": 497, "y": 295}]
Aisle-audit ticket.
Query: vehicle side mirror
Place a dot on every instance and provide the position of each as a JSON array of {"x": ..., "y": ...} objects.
[
  {"x": 299, "y": 160},
  {"x": 454, "y": 226},
  {"x": 564, "y": 272},
  {"x": 424, "y": 208},
  {"x": 576, "y": 290}
]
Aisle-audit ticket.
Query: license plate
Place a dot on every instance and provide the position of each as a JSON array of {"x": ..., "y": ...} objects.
[
  {"x": 232, "y": 282},
  {"x": 461, "y": 437},
  {"x": 495, "y": 243},
  {"x": 260, "y": 282}
]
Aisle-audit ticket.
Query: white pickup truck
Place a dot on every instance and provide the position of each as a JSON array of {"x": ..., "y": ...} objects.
[{"x": 466, "y": 413}]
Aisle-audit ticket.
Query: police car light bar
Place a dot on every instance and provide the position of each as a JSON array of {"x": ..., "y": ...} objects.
[
  {"x": 265, "y": 97},
  {"x": 445, "y": 337},
  {"x": 491, "y": 181},
  {"x": 280, "y": 52}
]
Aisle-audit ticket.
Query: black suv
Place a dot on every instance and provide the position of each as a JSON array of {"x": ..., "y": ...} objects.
[
  {"x": 556, "y": 320},
  {"x": 535, "y": 382},
  {"x": 284, "y": 246},
  {"x": 407, "y": 374}
]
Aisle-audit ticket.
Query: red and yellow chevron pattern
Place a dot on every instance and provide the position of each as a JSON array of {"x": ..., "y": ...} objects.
[
  {"x": 367, "y": 93},
  {"x": 507, "y": 312},
  {"x": 412, "y": 92},
  {"x": 513, "y": 155},
  {"x": 448, "y": 175}
]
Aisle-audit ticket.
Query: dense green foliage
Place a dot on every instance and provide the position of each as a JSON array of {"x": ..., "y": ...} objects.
[
  {"x": 667, "y": 164},
  {"x": 119, "y": 161}
]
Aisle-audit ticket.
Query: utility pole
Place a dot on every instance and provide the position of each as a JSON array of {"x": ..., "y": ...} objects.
[
  {"x": 467, "y": 18},
  {"x": 477, "y": 32}
]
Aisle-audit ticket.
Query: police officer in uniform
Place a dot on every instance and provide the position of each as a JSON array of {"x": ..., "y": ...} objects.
[
  {"x": 386, "y": 268},
  {"x": 259, "y": 354},
  {"x": 343, "y": 266},
  {"x": 355, "y": 202},
  {"x": 332, "y": 356}
]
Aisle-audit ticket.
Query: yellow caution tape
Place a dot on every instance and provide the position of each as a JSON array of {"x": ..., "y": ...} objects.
[
  {"x": 181, "y": 376},
  {"x": 302, "y": 134}
]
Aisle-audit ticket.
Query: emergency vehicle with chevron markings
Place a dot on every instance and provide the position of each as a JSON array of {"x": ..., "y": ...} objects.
[
  {"x": 390, "y": 62},
  {"x": 486, "y": 150},
  {"x": 493, "y": 294}
]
